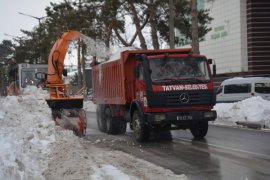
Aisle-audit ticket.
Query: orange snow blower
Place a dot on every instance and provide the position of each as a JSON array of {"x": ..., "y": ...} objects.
[{"x": 66, "y": 107}]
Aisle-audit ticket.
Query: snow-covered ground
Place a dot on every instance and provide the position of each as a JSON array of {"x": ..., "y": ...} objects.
[{"x": 32, "y": 147}]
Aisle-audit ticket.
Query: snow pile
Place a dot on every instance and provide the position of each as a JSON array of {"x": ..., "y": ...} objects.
[
  {"x": 38, "y": 93},
  {"x": 116, "y": 55},
  {"x": 251, "y": 110},
  {"x": 89, "y": 106},
  {"x": 26, "y": 132}
]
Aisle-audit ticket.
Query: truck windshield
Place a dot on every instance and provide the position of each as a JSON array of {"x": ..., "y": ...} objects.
[
  {"x": 179, "y": 70},
  {"x": 28, "y": 76}
]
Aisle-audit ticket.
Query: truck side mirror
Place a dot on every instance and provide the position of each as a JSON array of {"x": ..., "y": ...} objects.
[
  {"x": 210, "y": 61},
  {"x": 64, "y": 72},
  {"x": 137, "y": 72},
  {"x": 214, "y": 70}
]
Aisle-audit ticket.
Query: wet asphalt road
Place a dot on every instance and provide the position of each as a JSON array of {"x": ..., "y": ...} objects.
[{"x": 226, "y": 153}]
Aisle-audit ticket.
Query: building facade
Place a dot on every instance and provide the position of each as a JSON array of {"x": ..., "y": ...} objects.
[
  {"x": 258, "y": 36},
  {"x": 239, "y": 41}
]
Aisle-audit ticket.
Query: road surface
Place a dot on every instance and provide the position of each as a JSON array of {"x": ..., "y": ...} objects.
[{"x": 225, "y": 153}]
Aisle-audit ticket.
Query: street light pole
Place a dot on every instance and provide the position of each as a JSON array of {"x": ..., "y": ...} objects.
[
  {"x": 17, "y": 38},
  {"x": 38, "y": 18},
  {"x": 39, "y": 34}
]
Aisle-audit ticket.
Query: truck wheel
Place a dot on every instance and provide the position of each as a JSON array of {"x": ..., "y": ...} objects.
[
  {"x": 109, "y": 121},
  {"x": 141, "y": 131},
  {"x": 199, "y": 129},
  {"x": 122, "y": 126},
  {"x": 100, "y": 120}
]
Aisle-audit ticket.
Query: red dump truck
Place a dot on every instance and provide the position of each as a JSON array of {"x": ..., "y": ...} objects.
[{"x": 154, "y": 91}]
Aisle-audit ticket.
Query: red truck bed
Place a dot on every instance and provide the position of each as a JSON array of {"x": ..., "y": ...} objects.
[{"x": 113, "y": 81}]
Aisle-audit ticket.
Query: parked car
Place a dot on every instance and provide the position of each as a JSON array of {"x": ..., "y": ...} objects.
[{"x": 240, "y": 88}]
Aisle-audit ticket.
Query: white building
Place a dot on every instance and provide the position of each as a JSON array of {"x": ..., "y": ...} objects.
[
  {"x": 239, "y": 41},
  {"x": 226, "y": 43}
]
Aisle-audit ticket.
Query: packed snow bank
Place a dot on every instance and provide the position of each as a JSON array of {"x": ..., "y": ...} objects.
[
  {"x": 76, "y": 158},
  {"x": 32, "y": 147},
  {"x": 26, "y": 133},
  {"x": 251, "y": 110}
]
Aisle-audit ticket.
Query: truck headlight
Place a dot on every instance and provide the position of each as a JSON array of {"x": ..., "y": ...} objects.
[{"x": 159, "y": 117}]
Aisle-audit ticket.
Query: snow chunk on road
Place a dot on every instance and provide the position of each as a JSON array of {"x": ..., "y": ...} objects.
[{"x": 107, "y": 171}]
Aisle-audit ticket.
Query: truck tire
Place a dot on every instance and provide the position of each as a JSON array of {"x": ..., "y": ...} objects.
[
  {"x": 114, "y": 125},
  {"x": 199, "y": 129},
  {"x": 100, "y": 119},
  {"x": 109, "y": 122},
  {"x": 141, "y": 131},
  {"x": 122, "y": 126}
]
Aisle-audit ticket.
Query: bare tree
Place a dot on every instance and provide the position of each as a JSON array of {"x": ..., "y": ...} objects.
[
  {"x": 194, "y": 27},
  {"x": 153, "y": 23},
  {"x": 171, "y": 24},
  {"x": 137, "y": 25}
]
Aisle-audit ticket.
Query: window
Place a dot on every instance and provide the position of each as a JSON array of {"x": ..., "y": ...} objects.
[
  {"x": 237, "y": 88},
  {"x": 219, "y": 90},
  {"x": 28, "y": 77},
  {"x": 179, "y": 68},
  {"x": 262, "y": 88}
]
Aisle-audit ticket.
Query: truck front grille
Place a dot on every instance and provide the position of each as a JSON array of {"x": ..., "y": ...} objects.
[
  {"x": 197, "y": 97},
  {"x": 172, "y": 99}
]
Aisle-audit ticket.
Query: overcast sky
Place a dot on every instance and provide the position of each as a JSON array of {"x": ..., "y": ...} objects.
[{"x": 12, "y": 22}]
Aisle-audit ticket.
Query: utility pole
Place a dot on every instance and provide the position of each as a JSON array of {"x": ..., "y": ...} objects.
[
  {"x": 194, "y": 27},
  {"x": 15, "y": 37},
  {"x": 171, "y": 24},
  {"x": 83, "y": 68},
  {"x": 80, "y": 57},
  {"x": 79, "y": 64},
  {"x": 38, "y": 18},
  {"x": 39, "y": 33}
]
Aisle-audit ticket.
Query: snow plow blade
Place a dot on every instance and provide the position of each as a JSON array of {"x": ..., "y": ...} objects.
[{"x": 72, "y": 119}]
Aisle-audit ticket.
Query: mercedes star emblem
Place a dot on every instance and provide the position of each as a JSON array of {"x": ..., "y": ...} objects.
[{"x": 184, "y": 98}]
